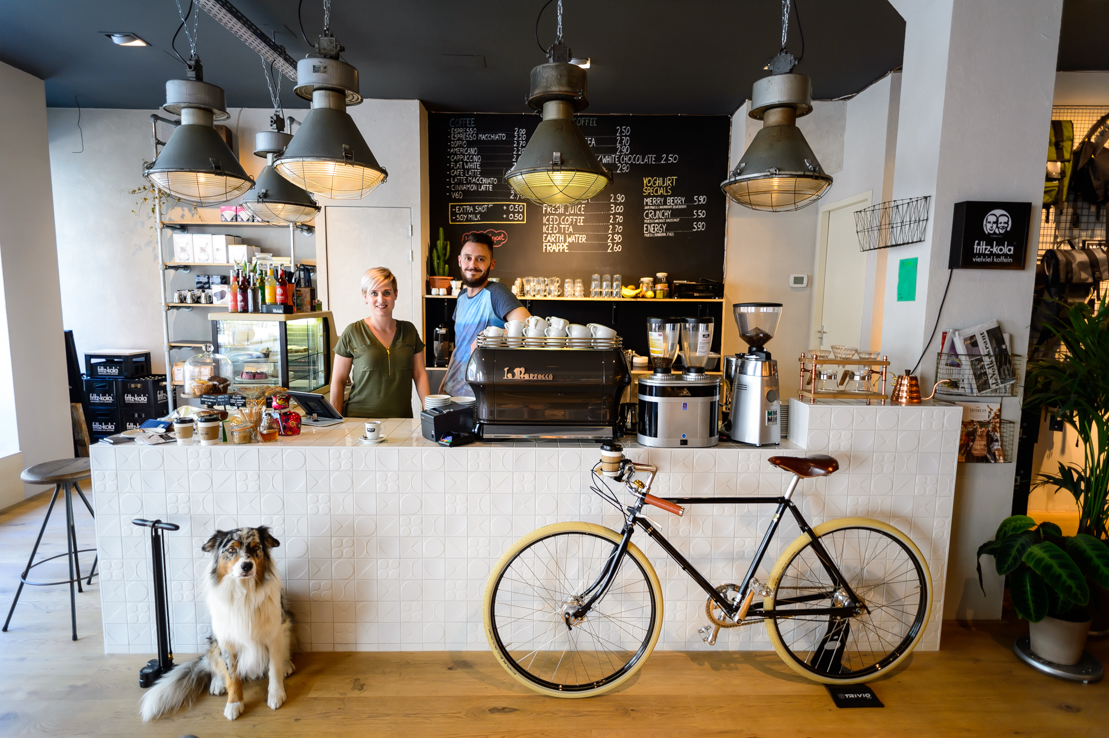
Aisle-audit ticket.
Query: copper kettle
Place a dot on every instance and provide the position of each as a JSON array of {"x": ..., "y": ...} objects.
[{"x": 906, "y": 389}]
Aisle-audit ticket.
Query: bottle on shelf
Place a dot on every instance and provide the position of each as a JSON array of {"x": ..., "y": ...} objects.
[
  {"x": 251, "y": 293},
  {"x": 233, "y": 294},
  {"x": 271, "y": 287},
  {"x": 244, "y": 288},
  {"x": 281, "y": 290}
]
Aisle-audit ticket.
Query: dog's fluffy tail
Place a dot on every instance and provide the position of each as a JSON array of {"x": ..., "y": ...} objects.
[{"x": 179, "y": 687}]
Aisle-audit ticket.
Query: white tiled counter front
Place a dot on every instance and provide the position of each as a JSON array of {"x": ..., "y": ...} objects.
[{"x": 388, "y": 548}]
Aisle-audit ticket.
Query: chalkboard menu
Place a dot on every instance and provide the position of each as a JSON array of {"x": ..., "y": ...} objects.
[{"x": 663, "y": 212}]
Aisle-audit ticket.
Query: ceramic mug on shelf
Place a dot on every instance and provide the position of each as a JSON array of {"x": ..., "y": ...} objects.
[
  {"x": 559, "y": 323},
  {"x": 576, "y": 330},
  {"x": 537, "y": 323},
  {"x": 535, "y": 332},
  {"x": 494, "y": 332},
  {"x": 601, "y": 331},
  {"x": 553, "y": 332},
  {"x": 514, "y": 328}
]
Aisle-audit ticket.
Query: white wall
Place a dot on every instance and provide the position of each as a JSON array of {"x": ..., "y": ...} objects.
[
  {"x": 109, "y": 251},
  {"x": 31, "y": 299}
]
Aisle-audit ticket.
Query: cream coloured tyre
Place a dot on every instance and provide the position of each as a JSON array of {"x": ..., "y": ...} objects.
[
  {"x": 884, "y": 568},
  {"x": 541, "y": 579}
]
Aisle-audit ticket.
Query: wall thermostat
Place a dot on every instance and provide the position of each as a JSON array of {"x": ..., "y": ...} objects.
[{"x": 798, "y": 280}]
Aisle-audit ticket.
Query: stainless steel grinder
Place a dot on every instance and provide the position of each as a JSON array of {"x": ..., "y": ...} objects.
[{"x": 756, "y": 405}]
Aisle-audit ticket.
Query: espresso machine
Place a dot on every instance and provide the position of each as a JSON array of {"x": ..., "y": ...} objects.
[
  {"x": 755, "y": 402},
  {"x": 677, "y": 410}
]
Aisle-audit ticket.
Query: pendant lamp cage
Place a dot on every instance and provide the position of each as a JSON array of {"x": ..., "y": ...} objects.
[{"x": 557, "y": 166}]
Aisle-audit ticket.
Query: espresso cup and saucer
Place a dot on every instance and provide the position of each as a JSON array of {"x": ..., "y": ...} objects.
[{"x": 373, "y": 433}]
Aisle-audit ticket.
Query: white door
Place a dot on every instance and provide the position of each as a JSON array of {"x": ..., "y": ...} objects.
[
  {"x": 841, "y": 279},
  {"x": 361, "y": 238}
]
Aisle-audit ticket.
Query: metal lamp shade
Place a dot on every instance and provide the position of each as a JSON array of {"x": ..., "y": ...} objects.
[
  {"x": 557, "y": 166},
  {"x": 777, "y": 172},
  {"x": 197, "y": 166},
  {"x": 276, "y": 199},
  {"x": 329, "y": 157}
]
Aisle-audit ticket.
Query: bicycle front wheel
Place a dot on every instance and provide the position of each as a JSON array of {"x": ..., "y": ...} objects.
[
  {"x": 883, "y": 567},
  {"x": 544, "y": 576}
]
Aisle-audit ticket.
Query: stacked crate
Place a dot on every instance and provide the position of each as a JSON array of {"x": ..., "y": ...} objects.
[{"x": 121, "y": 392}]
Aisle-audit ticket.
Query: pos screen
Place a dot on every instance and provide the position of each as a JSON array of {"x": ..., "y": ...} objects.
[{"x": 316, "y": 405}]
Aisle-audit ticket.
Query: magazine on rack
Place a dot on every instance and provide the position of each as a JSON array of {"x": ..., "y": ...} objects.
[
  {"x": 980, "y": 436},
  {"x": 985, "y": 351}
]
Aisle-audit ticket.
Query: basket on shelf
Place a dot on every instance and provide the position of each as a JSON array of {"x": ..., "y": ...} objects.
[
  {"x": 986, "y": 375},
  {"x": 893, "y": 223}
]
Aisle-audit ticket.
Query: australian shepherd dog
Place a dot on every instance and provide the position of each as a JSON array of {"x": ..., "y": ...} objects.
[{"x": 252, "y": 629}]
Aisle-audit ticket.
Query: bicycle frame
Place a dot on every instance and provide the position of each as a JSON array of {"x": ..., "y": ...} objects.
[{"x": 633, "y": 517}]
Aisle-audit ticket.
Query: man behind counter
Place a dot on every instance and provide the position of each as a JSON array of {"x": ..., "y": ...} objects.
[{"x": 481, "y": 304}]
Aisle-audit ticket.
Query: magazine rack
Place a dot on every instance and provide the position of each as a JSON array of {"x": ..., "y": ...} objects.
[
  {"x": 811, "y": 362},
  {"x": 1007, "y": 432},
  {"x": 966, "y": 375}
]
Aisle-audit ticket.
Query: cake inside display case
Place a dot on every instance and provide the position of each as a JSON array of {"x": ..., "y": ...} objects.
[{"x": 293, "y": 351}]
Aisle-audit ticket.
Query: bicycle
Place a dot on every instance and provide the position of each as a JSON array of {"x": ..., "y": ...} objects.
[{"x": 574, "y": 609}]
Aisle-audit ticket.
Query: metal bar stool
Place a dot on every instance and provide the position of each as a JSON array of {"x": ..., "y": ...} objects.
[{"x": 64, "y": 475}]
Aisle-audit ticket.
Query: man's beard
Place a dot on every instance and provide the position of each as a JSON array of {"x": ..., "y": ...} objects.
[{"x": 480, "y": 281}]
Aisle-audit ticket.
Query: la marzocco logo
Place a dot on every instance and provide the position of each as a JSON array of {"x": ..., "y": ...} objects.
[
  {"x": 997, "y": 222},
  {"x": 521, "y": 373}
]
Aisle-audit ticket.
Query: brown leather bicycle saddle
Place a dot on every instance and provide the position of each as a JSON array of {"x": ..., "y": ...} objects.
[{"x": 808, "y": 466}]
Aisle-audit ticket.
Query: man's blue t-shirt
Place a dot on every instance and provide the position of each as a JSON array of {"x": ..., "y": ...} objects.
[{"x": 472, "y": 315}]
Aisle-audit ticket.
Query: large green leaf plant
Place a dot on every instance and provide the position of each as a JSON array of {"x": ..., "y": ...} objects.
[
  {"x": 1049, "y": 573},
  {"x": 1075, "y": 386}
]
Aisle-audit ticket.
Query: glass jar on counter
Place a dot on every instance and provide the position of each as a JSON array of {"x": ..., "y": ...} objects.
[
  {"x": 207, "y": 373},
  {"x": 646, "y": 284}
]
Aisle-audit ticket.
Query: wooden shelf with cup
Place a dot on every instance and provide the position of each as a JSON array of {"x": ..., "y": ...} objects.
[{"x": 811, "y": 363}]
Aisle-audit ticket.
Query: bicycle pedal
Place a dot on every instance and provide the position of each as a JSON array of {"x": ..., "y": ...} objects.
[
  {"x": 708, "y": 634},
  {"x": 760, "y": 589}
]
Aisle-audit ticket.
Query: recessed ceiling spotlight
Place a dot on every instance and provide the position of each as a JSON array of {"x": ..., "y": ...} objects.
[
  {"x": 580, "y": 61},
  {"x": 126, "y": 39}
]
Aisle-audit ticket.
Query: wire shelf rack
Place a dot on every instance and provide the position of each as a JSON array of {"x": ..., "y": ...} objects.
[
  {"x": 990, "y": 375},
  {"x": 987, "y": 442},
  {"x": 893, "y": 223}
]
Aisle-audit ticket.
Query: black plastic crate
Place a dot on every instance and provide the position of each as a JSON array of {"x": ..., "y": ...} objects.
[
  {"x": 101, "y": 392},
  {"x": 117, "y": 364},
  {"x": 133, "y": 418},
  {"x": 104, "y": 421},
  {"x": 143, "y": 392}
]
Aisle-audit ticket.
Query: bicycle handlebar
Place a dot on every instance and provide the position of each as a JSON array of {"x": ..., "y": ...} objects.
[{"x": 667, "y": 505}]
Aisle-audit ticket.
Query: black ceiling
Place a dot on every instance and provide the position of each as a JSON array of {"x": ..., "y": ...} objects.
[{"x": 650, "y": 56}]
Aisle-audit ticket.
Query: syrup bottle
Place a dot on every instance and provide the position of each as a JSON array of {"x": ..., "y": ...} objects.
[
  {"x": 233, "y": 295},
  {"x": 281, "y": 289}
]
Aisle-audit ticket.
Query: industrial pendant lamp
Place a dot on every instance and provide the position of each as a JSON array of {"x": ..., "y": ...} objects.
[
  {"x": 196, "y": 164},
  {"x": 328, "y": 156},
  {"x": 274, "y": 198},
  {"x": 557, "y": 166},
  {"x": 779, "y": 171}
]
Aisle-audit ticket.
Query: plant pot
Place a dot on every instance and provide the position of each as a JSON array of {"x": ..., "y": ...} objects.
[
  {"x": 1059, "y": 641},
  {"x": 440, "y": 283}
]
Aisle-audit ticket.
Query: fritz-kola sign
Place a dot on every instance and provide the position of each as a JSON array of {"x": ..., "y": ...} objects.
[{"x": 989, "y": 235}]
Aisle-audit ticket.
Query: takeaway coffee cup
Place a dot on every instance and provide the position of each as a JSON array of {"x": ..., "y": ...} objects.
[
  {"x": 207, "y": 430},
  {"x": 184, "y": 428},
  {"x": 611, "y": 456},
  {"x": 373, "y": 430},
  {"x": 514, "y": 328},
  {"x": 601, "y": 331}
]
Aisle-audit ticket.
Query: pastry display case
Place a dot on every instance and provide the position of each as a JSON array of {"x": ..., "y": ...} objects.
[{"x": 293, "y": 351}]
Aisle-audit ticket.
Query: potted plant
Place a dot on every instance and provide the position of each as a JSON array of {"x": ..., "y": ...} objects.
[
  {"x": 1074, "y": 386},
  {"x": 439, "y": 271},
  {"x": 1048, "y": 575}
]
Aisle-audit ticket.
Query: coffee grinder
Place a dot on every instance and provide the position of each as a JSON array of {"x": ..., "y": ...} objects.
[
  {"x": 678, "y": 410},
  {"x": 756, "y": 406}
]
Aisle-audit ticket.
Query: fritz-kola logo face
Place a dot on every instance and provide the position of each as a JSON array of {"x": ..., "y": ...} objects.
[
  {"x": 521, "y": 373},
  {"x": 997, "y": 223}
]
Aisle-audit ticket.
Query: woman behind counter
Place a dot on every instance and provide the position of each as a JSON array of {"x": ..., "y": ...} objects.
[{"x": 381, "y": 356}]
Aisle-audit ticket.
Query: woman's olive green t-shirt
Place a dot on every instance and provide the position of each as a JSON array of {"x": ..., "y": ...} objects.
[{"x": 381, "y": 377}]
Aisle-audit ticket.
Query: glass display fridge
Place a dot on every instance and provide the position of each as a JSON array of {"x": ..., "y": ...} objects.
[{"x": 293, "y": 351}]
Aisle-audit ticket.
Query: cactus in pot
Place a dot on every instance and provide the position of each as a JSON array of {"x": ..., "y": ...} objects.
[{"x": 439, "y": 276}]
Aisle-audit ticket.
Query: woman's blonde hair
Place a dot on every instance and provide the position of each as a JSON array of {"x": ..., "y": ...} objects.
[{"x": 376, "y": 276}]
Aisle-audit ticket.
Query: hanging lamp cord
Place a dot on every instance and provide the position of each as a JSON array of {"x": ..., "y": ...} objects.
[
  {"x": 539, "y": 18},
  {"x": 275, "y": 94},
  {"x": 194, "y": 8}
]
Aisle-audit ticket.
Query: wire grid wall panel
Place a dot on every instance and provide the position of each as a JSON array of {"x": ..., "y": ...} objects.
[{"x": 1075, "y": 220}]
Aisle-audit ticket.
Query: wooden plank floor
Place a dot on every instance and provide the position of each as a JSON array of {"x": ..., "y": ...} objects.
[{"x": 50, "y": 685}]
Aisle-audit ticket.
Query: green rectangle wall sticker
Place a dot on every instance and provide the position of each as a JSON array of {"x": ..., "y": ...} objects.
[{"x": 906, "y": 280}]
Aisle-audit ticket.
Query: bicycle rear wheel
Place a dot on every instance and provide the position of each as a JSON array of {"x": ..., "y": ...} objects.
[
  {"x": 541, "y": 577},
  {"x": 884, "y": 568}
]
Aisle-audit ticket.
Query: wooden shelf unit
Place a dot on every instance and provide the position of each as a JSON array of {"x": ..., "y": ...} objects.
[{"x": 811, "y": 394}]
